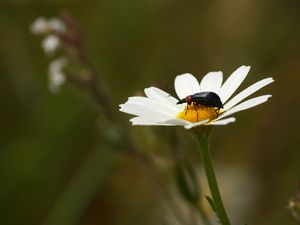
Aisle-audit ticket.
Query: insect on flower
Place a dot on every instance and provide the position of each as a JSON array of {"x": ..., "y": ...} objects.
[
  {"x": 211, "y": 100},
  {"x": 206, "y": 98}
]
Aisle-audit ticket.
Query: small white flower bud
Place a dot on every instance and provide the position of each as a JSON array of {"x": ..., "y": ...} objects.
[
  {"x": 44, "y": 26},
  {"x": 56, "y": 74},
  {"x": 39, "y": 26},
  {"x": 55, "y": 81},
  {"x": 56, "y": 25},
  {"x": 50, "y": 44}
]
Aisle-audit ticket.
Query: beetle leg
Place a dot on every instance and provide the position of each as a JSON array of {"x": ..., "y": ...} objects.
[
  {"x": 217, "y": 111},
  {"x": 196, "y": 110}
]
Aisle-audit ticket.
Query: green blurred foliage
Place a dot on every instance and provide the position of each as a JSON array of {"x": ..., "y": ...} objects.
[{"x": 55, "y": 165}]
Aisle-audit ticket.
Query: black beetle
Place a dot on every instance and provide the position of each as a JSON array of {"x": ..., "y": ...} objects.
[{"x": 208, "y": 98}]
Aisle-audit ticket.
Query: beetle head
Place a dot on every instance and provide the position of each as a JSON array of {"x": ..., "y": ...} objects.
[{"x": 187, "y": 99}]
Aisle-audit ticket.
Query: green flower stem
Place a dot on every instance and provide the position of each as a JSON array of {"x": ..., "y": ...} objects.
[{"x": 202, "y": 140}]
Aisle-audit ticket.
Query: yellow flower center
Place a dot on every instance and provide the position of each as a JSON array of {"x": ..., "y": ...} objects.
[{"x": 196, "y": 113}]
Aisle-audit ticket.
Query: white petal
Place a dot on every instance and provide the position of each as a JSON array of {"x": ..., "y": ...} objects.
[
  {"x": 191, "y": 125},
  {"x": 245, "y": 105},
  {"x": 170, "y": 122},
  {"x": 145, "y": 111},
  {"x": 212, "y": 82},
  {"x": 163, "y": 97},
  {"x": 145, "y": 107},
  {"x": 151, "y": 103},
  {"x": 176, "y": 122},
  {"x": 186, "y": 84},
  {"x": 155, "y": 93},
  {"x": 153, "y": 122},
  {"x": 233, "y": 82},
  {"x": 248, "y": 91},
  {"x": 222, "y": 122},
  {"x": 143, "y": 121}
]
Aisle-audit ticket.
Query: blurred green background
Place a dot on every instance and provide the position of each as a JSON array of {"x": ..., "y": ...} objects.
[{"x": 57, "y": 168}]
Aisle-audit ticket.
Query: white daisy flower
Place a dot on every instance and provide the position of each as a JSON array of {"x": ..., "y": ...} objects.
[{"x": 160, "y": 108}]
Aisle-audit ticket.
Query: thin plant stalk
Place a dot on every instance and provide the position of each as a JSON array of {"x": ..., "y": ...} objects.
[
  {"x": 202, "y": 137},
  {"x": 180, "y": 162}
]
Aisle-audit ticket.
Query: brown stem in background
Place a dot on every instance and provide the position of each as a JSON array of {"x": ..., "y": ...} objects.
[{"x": 94, "y": 85}]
